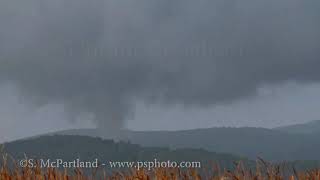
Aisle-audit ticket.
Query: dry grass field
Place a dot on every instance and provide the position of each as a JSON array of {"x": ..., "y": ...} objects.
[{"x": 263, "y": 171}]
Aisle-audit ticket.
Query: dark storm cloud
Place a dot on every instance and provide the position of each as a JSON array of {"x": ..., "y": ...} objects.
[{"x": 102, "y": 56}]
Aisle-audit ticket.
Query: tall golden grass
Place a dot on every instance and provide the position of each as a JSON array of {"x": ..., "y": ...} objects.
[{"x": 263, "y": 171}]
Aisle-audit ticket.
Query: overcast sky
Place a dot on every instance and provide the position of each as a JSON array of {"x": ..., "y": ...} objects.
[{"x": 157, "y": 64}]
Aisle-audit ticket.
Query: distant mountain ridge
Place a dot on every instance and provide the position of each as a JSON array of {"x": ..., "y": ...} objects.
[
  {"x": 305, "y": 128},
  {"x": 270, "y": 144},
  {"x": 87, "y": 148}
]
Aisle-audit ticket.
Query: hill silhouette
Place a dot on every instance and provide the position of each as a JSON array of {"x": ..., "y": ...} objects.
[
  {"x": 89, "y": 148},
  {"x": 270, "y": 144}
]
